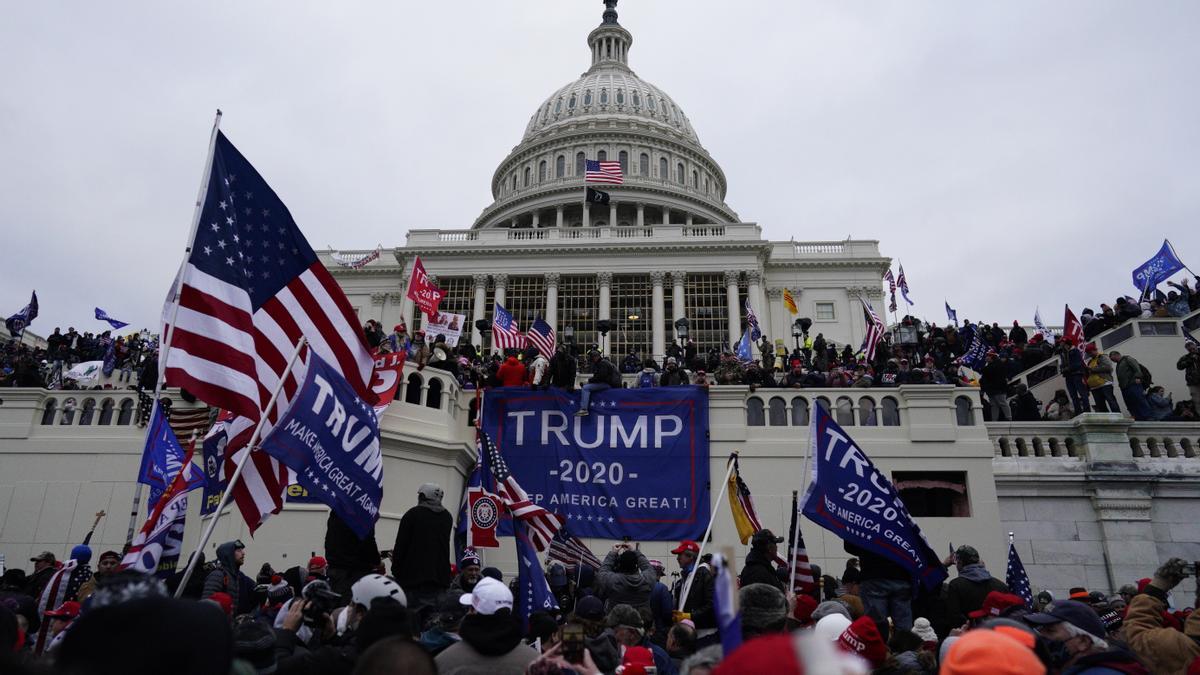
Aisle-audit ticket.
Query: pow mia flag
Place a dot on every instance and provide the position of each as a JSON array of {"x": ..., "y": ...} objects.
[{"x": 595, "y": 196}]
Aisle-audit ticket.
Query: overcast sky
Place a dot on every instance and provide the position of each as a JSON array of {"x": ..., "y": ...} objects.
[{"x": 1010, "y": 154}]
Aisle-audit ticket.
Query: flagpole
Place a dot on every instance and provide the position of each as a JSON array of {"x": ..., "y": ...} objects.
[
  {"x": 795, "y": 535},
  {"x": 237, "y": 472},
  {"x": 165, "y": 346},
  {"x": 687, "y": 586}
]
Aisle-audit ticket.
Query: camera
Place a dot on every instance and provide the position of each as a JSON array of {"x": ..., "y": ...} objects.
[{"x": 320, "y": 603}]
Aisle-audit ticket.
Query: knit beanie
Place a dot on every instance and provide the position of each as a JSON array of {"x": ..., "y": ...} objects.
[
  {"x": 862, "y": 638},
  {"x": 278, "y": 591},
  {"x": 987, "y": 651},
  {"x": 805, "y": 605},
  {"x": 924, "y": 630},
  {"x": 82, "y": 553},
  {"x": 254, "y": 642},
  {"x": 763, "y": 606}
]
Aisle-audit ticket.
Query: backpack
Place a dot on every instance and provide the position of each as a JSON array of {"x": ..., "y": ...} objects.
[{"x": 646, "y": 379}]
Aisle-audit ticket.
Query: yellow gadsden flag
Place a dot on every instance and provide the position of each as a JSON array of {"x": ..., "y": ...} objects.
[
  {"x": 789, "y": 301},
  {"x": 742, "y": 506}
]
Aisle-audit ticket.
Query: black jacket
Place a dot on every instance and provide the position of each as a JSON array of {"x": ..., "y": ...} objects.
[
  {"x": 700, "y": 598},
  {"x": 672, "y": 378},
  {"x": 604, "y": 372},
  {"x": 344, "y": 550},
  {"x": 994, "y": 378},
  {"x": 874, "y": 566},
  {"x": 562, "y": 370},
  {"x": 759, "y": 570},
  {"x": 967, "y": 592},
  {"x": 420, "y": 556}
]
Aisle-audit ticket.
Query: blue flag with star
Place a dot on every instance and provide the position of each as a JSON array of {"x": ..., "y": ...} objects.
[
  {"x": 533, "y": 591},
  {"x": 1016, "y": 578},
  {"x": 163, "y": 458},
  {"x": 330, "y": 438}
]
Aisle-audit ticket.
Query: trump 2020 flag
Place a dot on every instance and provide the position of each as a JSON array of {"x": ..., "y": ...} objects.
[
  {"x": 102, "y": 315},
  {"x": 1016, "y": 578},
  {"x": 330, "y": 438},
  {"x": 17, "y": 322},
  {"x": 851, "y": 498},
  {"x": 533, "y": 591},
  {"x": 1157, "y": 269},
  {"x": 163, "y": 458},
  {"x": 156, "y": 548}
]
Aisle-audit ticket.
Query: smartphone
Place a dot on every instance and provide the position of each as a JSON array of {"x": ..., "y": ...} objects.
[{"x": 572, "y": 642}]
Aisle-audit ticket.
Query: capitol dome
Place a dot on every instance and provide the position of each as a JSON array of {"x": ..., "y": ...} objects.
[{"x": 609, "y": 113}]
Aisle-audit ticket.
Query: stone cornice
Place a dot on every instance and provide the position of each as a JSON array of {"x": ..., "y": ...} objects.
[{"x": 597, "y": 248}]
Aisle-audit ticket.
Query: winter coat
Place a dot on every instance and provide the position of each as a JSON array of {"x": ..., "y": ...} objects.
[
  {"x": 344, "y": 550},
  {"x": 617, "y": 588},
  {"x": 420, "y": 556},
  {"x": 604, "y": 372},
  {"x": 539, "y": 372},
  {"x": 1018, "y": 335},
  {"x": 562, "y": 371},
  {"x": 491, "y": 645},
  {"x": 1100, "y": 371},
  {"x": 673, "y": 377},
  {"x": 1190, "y": 364},
  {"x": 512, "y": 373},
  {"x": 1164, "y": 649},
  {"x": 758, "y": 569},
  {"x": 967, "y": 592},
  {"x": 994, "y": 377},
  {"x": 1116, "y": 661},
  {"x": 1128, "y": 370},
  {"x": 1026, "y": 407},
  {"x": 224, "y": 576},
  {"x": 700, "y": 597}
]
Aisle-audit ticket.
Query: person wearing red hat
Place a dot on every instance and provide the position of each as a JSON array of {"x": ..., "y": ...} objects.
[
  {"x": 996, "y": 604},
  {"x": 318, "y": 568},
  {"x": 862, "y": 637},
  {"x": 698, "y": 607},
  {"x": 803, "y": 611},
  {"x": 60, "y": 619}
]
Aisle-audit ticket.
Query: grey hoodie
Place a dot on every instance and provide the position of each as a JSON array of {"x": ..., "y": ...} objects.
[
  {"x": 224, "y": 577},
  {"x": 630, "y": 589}
]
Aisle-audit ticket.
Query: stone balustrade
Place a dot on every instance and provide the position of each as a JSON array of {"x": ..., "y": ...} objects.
[
  {"x": 671, "y": 233},
  {"x": 1096, "y": 436}
]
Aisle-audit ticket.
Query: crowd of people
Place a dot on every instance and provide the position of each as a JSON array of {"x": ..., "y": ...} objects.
[
  {"x": 131, "y": 357},
  {"x": 341, "y": 612}
]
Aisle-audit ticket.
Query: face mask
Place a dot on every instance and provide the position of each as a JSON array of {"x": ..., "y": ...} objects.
[{"x": 1058, "y": 652}]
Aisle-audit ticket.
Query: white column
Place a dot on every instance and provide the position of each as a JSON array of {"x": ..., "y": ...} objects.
[
  {"x": 587, "y": 209},
  {"x": 536, "y": 219},
  {"x": 731, "y": 301},
  {"x": 666, "y": 216},
  {"x": 641, "y": 215},
  {"x": 658, "y": 344},
  {"x": 780, "y": 325},
  {"x": 758, "y": 302},
  {"x": 558, "y": 217},
  {"x": 678, "y": 311},
  {"x": 612, "y": 213},
  {"x": 689, "y": 220},
  {"x": 552, "y": 302},
  {"x": 478, "y": 307},
  {"x": 501, "y": 281},
  {"x": 604, "y": 281}
]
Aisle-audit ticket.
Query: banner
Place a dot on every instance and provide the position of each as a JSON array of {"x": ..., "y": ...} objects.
[
  {"x": 445, "y": 323},
  {"x": 354, "y": 262},
  {"x": 1157, "y": 269},
  {"x": 17, "y": 322},
  {"x": 637, "y": 466},
  {"x": 213, "y": 458},
  {"x": 86, "y": 372},
  {"x": 163, "y": 458},
  {"x": 851, "y": 498},
  {"x": 157, "y": 546},
  {"x": 102, "y": 315},
  {"x": 389, "y": 368},
  {"x": 330, "y": 438},
  {"x": 423, "y": 293}
]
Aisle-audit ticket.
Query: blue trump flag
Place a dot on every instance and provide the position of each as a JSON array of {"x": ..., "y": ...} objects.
[
  {"x": 1016, "y": 578},
  {"x": 533, "y": 591},
  {"x": 17, "y": 322},
  {"x": 162, "y": 459},
  {"x": 102, "y": 315},
  {"x": 1157, "y": 269},
  {"x": 637, "y": 466},
  {"x": 725, "y": 606},
  {"x": 851, "y": 498},
  {"x": 976, "y": 354},
  {"x": 951, "y": 315},
  {"x": 330, "y": 438},
  {"x": 745, "y": 353}
]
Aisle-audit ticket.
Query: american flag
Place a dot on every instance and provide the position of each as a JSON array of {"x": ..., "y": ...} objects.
[
  {"x": 505, "y": 334},
  {"x": 542, "y": 524},
  {"x": 570, "y": 550},
  {"x": 541, "y": 334},
  {"x": 802, "y": 575},
  {"x": 902, "y": 283},
  {"x": 891, "y": 279},
  {"x": 875, "y": 329},
  {"x": 249, "y": 289},
  {"x": 602, "y": 172},
  {"x": 752, "y": 321},
  {"x": 1016, "y": 578}
]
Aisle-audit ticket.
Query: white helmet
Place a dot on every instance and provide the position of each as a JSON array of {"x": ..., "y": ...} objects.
[{"x": 374, "y": 586}]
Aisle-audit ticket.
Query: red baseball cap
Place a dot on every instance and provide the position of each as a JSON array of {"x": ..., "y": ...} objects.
[
  {"x": 317, "y": 562},
  {"x": 995, "y": 603},
  {"x": 686, "y": 545},
  {"x": 67, "y": 610}
]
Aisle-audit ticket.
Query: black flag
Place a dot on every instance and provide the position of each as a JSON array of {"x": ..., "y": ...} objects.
[{"x": 595, "y": 196}]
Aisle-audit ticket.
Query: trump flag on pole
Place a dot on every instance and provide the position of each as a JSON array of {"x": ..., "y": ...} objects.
[
  {"x": 851, "y": 498},
  {"x": 1157, "y": 269},
  {"x": 421, "y": 290},
  {"x": 157, "y": 546}
]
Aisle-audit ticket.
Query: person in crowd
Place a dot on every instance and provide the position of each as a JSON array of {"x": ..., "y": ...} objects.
[
  {"x": 660, "y": 604},
  {"x": 1081, "y": 633},
  {"x": 44, "y": 567},
  {"x": 966, "y": 592},
  {"x": 562, "y": 368},
  {"x": 698, "y": 608},
  {"x": 106, "y": 566},
  {"x": 627, "y": 629},
  {"x": 990, "y": 651},
  {"x": 764, "y": 610},
  {"x": 1025, "y": 408},
  {"x": 1100, "y": 379},
  {"x": 59, "y": 619},
  {"x": 420, "y": 554},
  {"x": 538, "y": 370},
  {"x": 1059, "y": 408},
  {"x": 625, "y": 577},
  {"x": 672, "y": 375},
  {"x": 512, "y": 371},
  {"x": 1074, "y": 370},
  {"x": 1132, "y": 379},
  {"x": 759, "y": 567},
  {"x": 993, "y": 381},
  {"x": 491, "y": 636},
  {"x": 862, "y": 638},
  {"x": 1159, "y": 404},
  {"x": 444, "y": 625},
  {"x": 469, "y": 573},
  {"x": 885, "y": 589},
  {"x": 604, "y": 377},
  {"x": 225, "y": 576},
  {"x": 1189, "y": 363},
  {"x": 648, "y": 376},
  {"x": 1164, "y": 649},
  {"x": 347, "y": 557}
]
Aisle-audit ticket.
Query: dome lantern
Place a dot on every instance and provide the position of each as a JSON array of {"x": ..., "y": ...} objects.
[{"x": 610, "y": 41}]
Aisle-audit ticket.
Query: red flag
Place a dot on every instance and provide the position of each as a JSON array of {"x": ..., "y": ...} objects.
[
  {"x": 1072, "y": 329},
  {"x": 386, "y": 378},
  {"x": 484, "y": 509},
  {"x": 423, "y": 293}
]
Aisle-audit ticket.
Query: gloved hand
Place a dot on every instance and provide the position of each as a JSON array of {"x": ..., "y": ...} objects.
[
  {"x": 1170, "y": 574},
  {"x": 677, "y": 616}
]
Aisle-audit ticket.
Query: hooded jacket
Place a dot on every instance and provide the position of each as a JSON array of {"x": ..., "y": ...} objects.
[
  {"x": 1164, "y": 649},
  {"x": 967, "y": 592},
  {"x": 224, "y": 576},
  {"x": 625, "y": 588},
  {"x": 421, "y": 554},
  {"x": 491, "y": 645},
  {"x": 758, "y": 569}
]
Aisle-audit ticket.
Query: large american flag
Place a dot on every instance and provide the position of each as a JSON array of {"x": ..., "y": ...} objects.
[
  {"x": 875, "y": 329},
  {"x": 250, "y": 287},
  {"x": 1016, "y": 578},
  {"x": 541, "y": 335},
  {"x": 599, "y": 171},
  {"x": 543, "y": 525},
  {"x": 902, "y": 283},
  {"x": 505, "y": 334},
  {"x": 802, "y": 573}
]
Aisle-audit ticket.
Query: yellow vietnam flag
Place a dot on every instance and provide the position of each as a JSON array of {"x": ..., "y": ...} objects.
[
  {"x": 789, "y": 301},
  {"x": 744, "y": 517}
]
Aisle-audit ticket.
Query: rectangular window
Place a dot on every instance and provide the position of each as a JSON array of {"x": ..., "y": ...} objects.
[
  {"x": 1157, "y": 328},
  {"x": 824, "y": 311},
  {"x": 630, "y": 317},
  {"x": 460, "y": 295},
  {"x": 707, "y": 310},
  {"x": 933, "y": 494},
  {"x": 578, "y": 307}
]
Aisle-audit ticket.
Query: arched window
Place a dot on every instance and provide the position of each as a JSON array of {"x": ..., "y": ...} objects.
[
  {"x": 580, "y": 160},
  {"x": 527, "y": 172},
  {"x": 754, "y": 413},
  {"x": 891, "y": 412},
  {"x": 845, "y": 411},
  {"x": 560, "y": 166},
  {"x": 88, "y": 412},
  {"x": 866, "y": 412},
  {"x": 662, "y": 168},
  {"x": 542, "y": 171},
  {"x": 106, "y": 412},
  {"x": 696, "y": 180},
  {"x": 637, "y": 100},
  {"x": 514, "y": 181},
  {"x": 603, "y": 96},
  {"x": 799, "y": 412},
  {"x": 777, "y": 413},
  {"x": 644, "y": 164},
  {"x": 623, "y": 158},
  {"x": 823, "y": 403},
  {"x": 602, "y": 156},
  {"x": 125, "y": 413},
  {"x": 620, "y": 97},
  {"x": 571, "y": 102},
  {"x": 587, "y": 97},
  {"x": 650, "y": 102},
  {"x": 964, "y": 412},
  {"x": 48, "y": 414},
  {"x": 413, "y": 393},
  {"x": 68, "y": 411},
  {"x": 679, "y": 173},
  {"x": 433, "y": 399}
]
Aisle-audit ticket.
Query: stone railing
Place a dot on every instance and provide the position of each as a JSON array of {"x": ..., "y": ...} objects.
[
  {"x": 797, "y": 250},
  {"x": 1096, "y": 437},
  {"x": 1033, "y": 439},
  {"x": 1165, "y": 440},
  {"x": 671, "y": 233}
]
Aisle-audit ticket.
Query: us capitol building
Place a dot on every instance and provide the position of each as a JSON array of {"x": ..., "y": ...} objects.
[{"x": 1098, "y": 501}]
